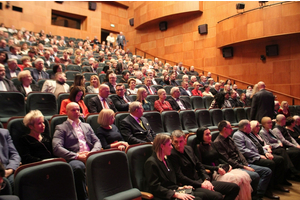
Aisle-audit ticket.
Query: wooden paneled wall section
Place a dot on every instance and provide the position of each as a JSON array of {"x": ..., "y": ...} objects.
[{"x": 247, "y": 33}]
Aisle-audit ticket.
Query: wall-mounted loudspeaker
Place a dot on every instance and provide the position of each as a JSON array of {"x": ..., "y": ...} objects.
[
  {"x": 92, "y": 5},
  {"x": 202, "y": 29},
  {"x": 227, "y": 52},
  {"x": 131, "y": 22},
  {"x": 272, "y": 50},
  {"x": 163, "y": 26}
]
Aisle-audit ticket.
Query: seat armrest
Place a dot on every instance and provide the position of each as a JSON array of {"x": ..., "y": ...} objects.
[{"x": 146, "y": 195}]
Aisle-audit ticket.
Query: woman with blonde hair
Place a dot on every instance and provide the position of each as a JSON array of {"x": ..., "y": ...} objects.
[
  {"x": 94, "y": 84},
  {"x": 141, "y": 97},
  {"x": 108, "y": 133},
  {"x": 196, "y": 91},
  {"x": 36, "y": 145},
  {"x": 284, "y": 109},
  {"x": 160, "y": 104}
]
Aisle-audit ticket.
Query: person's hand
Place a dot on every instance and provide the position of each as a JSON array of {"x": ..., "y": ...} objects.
[
  {"x": 221, "y": 171},
  {"x": 183, "y": 196},
  {"x": 8, "y": 172},
  {"x": 298, "y": 146},
  {"x": 207, "y": 185},
  {"x": 185, "y": 187},
  {"x": 82, "y": 156},
  {"x": 230, "y": 168},
  {"x": 263, "y": 157},
  {"x": 125, "y": 144},
  {"x": 269, "y": 156},
  {"x": 280, "y": 144},
  {"x": 122, "y": 147},
  {"x": 249, "y": 168}
]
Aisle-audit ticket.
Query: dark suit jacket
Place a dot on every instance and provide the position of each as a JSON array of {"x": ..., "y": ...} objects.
[
  {"x": 175, "y": 105},
  {"x": 88, "y": 69},
  {"x": 9, "y": 85},
  {"x": 262, "y": 105},
  {"x": 120, "y": 104},
  {"x": 111, "y": 88},
  {"x": 95, "y": 105},
  {"x": 174, "y": 83},
  {"x": 133, "y": 133},
  {"x": 7, "y": 73},
  {"x": 65, "y": 141},
  {"x": 161, "y": 182},
  {"x": 33, "y": 86},
  {"x": 9, "y": 156},
  {"x": 152, "y": 88},
  {"x": 183, "y": 92},
  {"x": 213, "y": 91},
  {"x": 188, "y": 173},
  {"x": 35, "y": 74}
]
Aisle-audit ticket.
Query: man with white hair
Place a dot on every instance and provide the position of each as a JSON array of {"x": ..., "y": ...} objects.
[
  {"x": 176, "y": 102},
  {"x": 6, "y": 84},
  {"x": 12, "y": 70},
  {"x": 262, "y": 103},
  {"x": 38, "y": 72}
]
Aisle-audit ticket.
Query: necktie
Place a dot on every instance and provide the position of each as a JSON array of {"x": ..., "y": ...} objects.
[
  {"x": 141, "y": 124},
  {"x": 104, "y": 103},
  {"x": 125, "y": 99},
  {"x": 150, "y": 91},
  {"x": 40, "y": 75}
]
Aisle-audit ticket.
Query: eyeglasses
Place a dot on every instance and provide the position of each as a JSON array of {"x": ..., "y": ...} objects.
[{"x": 2, "y": 186}]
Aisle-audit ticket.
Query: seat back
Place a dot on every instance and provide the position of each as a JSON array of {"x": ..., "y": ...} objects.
[
  {"x": 60, "y": 98},
  {"x": 157, "y": 87},
  {"x": 152, "y": 98},
  {"x": 91, "y": 119},
  {"x": 197, "y": 102},
  {"x": 87, "y": 98},
  {"x": 168, "y": 88},
  {"x": 240, "y": 114},
  {"x": 71, "y": 74},
  {"x": 214, "y": 135},
  {"x": 216, "y": 116},
  {"x": 188, "y": 120},
  {"x": 228, "y": 114},
  {"x": 102, "y": 77},
  {"x": 47, "y": 180},
  {"x": 192, "y": 140},
  {"x": 71, "y": 67},
  {"x": 88, "y": 75},
  {"x": 17, "y": 129},
  {"x": 248, "y": 110},
  {"x": 171, "y": 121},
  {"x": 107, "y": 174},
  {"x": 119, "y": 117},
  {"x": 56, "y": 120},
  {"x": 154, "y": 120},
  {"x": 137, "y": 156},
  {"x": 40, "y": 83},
  {"x": 45, "y": 102},
  {"x": 186, "y": 98},
  {"x": 12, "y": 104},
  {"x": 203, "y": 118},
  {"x": 207, "y": 101}
]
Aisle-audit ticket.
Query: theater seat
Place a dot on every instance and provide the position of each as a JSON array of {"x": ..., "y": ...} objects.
[
  {"x": 197, "y": 102},
  {"x": 240, "y": 114},
  {"x": 207, "y": 101},
  {"x": 108, "y": 176},
  {"x": 47, "y": 180},
  {"x": 203, "y": 119},
  {"x": 87, "y": 98},
  {"x": 152, "y": 98},
  {"x": 228, "y": 114},
  {"x": 171, "y": 121},
  {"x": 216, "y": 116},
  {"x": 92, "y": 119},
  {"x": 119, "y": 117},
  {"x": 248, "y": 110},
  {"x": 155, "y": 121},
  {"x": 12, "y": 104},
  {"x": 137, "y": 156},
  {"x": 188, "y": 120},
  {"x": 87, "y": 75},
  {"x": 60, "y": 98}
]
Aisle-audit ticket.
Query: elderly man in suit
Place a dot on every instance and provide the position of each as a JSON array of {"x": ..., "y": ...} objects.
[
  {"x": 112, "y": 82},
  {"x": 135, "y": 128},
  {"x": 258, "y": 156},
  {"x": 121, "y": 100},
  {"x": 97, "y": 103},
  {"x": 262, "y": 103},
  {"x": 38, "y": 72},
  {"x": 185, "y": 89},
  {"x": 176, "y": 102},
  {"x": 216, "y": 89},
  {"x": 73, "y": 140},
  {"x": 121, "y": 41},
  {"x": 9, "y": 156},
  {"x": 58, "y": 85},
  {"x": 150, "y": 89},
  {"x": 12, "y": 70},
  {"x": 5, "y": 84}
]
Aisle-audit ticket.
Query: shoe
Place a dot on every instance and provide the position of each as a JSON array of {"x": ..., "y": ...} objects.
[
  {"x": 270, "y": 195},
  {"x": 285, "y": 182},
  {"x": 280, "y": 188}
]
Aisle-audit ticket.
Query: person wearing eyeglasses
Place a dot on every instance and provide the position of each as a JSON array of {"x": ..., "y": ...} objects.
[{"x": 121, "y": 100}]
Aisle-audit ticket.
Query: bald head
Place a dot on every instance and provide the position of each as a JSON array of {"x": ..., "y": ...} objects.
[
  {"x": 261, "y": 85},
  {"x": 104, "y": 90},
  {"x": 73, "y": 111},
  {"x": 280, "y": 119}
]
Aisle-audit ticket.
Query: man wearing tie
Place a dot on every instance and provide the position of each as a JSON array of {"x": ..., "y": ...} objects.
[
  {"x": 150, "y": 74},
  {"x": 121, "y": 41},
  {"x": 176, "y": 102},
  {"x": 134, "y": 128},
  {"x": 150, "y": 89},
  {"x": 185, "y": 89},
  {"x": 97, "y": 103},
  {"x": 12, "y": 70},
  {"x": 5, "y": 84},
  {"x": 121, "y": 100},
  {"x": 38, "y": 72},
  {"x": 112, "y": 82}
]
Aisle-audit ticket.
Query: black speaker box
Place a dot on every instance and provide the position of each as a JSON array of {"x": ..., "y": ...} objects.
[
  {"x": 272, "y": 50},
  {"x": 92, "y": 5},
  {"x": 163, "y": 26},
  {"x": 227, "y": 52},
  {"x": 202, "y": 29},
  {"x": 131, "y": 22}
]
